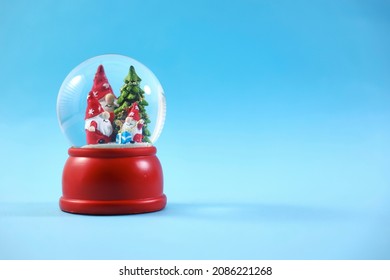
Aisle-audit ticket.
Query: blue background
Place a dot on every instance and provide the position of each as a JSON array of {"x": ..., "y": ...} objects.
[{"x": 276, "y": 143}]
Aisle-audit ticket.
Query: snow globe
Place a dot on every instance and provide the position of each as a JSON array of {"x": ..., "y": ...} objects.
[{"x": 112, "y": 110}]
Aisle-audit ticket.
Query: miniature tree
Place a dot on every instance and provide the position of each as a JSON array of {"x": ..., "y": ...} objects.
[{"x": 131, "y": 92}]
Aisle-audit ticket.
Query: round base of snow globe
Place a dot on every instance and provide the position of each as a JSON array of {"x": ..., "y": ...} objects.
[
  {"x": 112, "y": 110},
  {"x": 112, "y": 181}
]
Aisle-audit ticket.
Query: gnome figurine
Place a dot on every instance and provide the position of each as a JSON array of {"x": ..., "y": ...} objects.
[
  {"x": 103, "y": 92},
  {"x": 133, "y": 123},
  {"x": 98, "y": 127}
]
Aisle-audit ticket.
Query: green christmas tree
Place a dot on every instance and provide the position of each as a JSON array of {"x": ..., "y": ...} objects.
[{"x": 131, "y": 92}]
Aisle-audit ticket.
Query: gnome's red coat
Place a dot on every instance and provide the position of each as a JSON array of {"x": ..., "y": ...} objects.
[
  {"x": 112, "y": 117},
  {"x": 138, "y": 135},
  {"x": 96, "y": 137}
]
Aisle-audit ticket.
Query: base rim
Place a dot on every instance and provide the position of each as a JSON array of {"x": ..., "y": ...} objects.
[{"x": 113, "y": 207}]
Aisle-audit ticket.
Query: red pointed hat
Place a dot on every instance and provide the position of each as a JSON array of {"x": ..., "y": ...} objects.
[
  {"x": 93, "y": 107},
  {"x": 134, "y": 111},
  {"x": 101, "y": 87}
]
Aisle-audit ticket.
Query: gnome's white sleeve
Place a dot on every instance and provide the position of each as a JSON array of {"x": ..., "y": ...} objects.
[{"x": 90, "y": 122}]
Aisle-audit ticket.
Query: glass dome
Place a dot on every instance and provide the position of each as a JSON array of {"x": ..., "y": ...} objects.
[{"x": 120, "y": 85}]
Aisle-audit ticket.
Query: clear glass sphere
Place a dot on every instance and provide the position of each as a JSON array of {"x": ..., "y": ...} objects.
[{"x": 72, "y": 96}]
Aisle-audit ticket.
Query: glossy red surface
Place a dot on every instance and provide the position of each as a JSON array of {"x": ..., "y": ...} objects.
[{"x": 112, "y": 181}]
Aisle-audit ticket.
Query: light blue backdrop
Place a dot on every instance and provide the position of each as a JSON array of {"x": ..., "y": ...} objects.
[{"x": 276, "y": 144}]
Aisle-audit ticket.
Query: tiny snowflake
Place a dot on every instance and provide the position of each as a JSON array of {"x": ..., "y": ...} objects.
[{"x": 91, "y": 111}]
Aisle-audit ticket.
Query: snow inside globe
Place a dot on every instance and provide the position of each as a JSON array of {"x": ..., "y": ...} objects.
[{"x": 111, "y": 101}]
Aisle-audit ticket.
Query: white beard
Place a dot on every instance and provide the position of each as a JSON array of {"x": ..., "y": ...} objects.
[
  {"x": 131, "y": 127},
  {"x": 104, "y": 126}
]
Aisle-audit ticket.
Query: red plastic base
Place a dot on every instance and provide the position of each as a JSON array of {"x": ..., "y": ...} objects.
[{"x": 112, "y": 181}]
